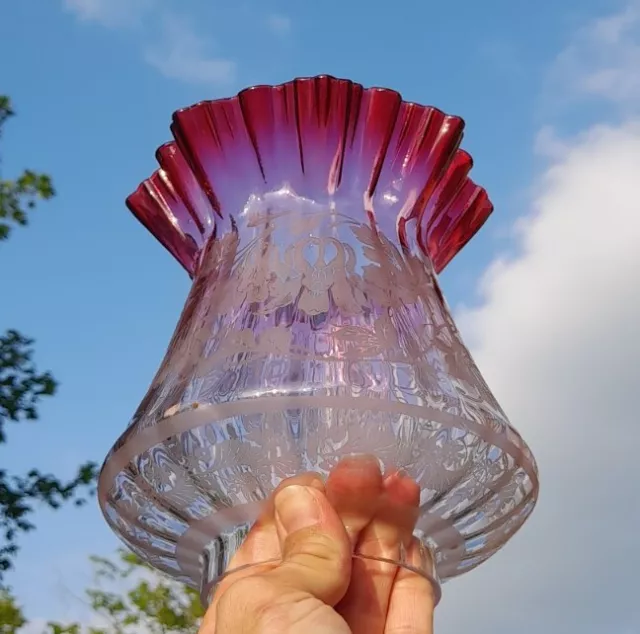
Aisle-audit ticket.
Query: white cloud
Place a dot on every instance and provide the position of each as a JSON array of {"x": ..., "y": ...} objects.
[
  {"x": 279, "y": 24},
  {"x": 603, "y": 60},
  {"x": 184, "y": 55},
  {"x": 109, "y": 13},
  {"x": 548, "y": 144},
  {"x": 557, "y": 336}
]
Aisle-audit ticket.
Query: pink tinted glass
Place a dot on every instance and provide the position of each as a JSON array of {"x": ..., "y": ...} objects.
[{"x": 313, "y": 218}]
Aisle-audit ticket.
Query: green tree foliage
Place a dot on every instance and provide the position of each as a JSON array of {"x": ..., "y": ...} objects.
[
  {"x": 18, "y": 196},
  {"x": 127, "y": 598},
  {"x": 11, "y": 617},
  {"x": 22, "y": 386}
]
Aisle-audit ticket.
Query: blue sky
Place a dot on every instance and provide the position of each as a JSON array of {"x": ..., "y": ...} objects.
[{"x": 94, "y": 84}]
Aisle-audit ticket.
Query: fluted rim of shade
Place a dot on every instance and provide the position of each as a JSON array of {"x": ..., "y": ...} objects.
[{"x": 339, "y": 133}]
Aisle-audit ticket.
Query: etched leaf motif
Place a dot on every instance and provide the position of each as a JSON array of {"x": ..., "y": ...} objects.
[
  {"x": 276, "y": 340},
  {"x": 347, "y": 290},
  {"x": 366, "y": 235},
  {"x": 286, "y": 281},
  {"x": 318, "y": 273},
  {"x": 386, "y": 332},
  {"x": 392, "y": 279},
  {"x": 347, "y": 294},
  {"x": 253, "y": 276},
  {"x": 378, "y": 248},
  {"x": 219, "y": 257},
  {"x": 420, "y": 276}
]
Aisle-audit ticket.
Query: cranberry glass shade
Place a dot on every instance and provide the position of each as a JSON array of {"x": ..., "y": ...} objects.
[{"x": 313, "y": 218}]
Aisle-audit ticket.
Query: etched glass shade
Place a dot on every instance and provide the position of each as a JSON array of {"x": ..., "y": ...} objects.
[{"x": 313, "y": 218}]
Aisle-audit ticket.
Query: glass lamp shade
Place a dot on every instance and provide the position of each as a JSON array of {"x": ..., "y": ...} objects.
[{"x": 313, "y": 218}]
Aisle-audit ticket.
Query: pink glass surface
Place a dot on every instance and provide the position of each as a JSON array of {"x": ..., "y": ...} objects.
[{"x": 313, "y": 218}]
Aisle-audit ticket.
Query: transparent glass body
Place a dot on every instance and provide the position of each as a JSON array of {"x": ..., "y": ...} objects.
[{"x": 315, "y": 329}]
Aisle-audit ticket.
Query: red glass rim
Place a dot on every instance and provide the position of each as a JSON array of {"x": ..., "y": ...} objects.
[{"x": 389, "y": 144}]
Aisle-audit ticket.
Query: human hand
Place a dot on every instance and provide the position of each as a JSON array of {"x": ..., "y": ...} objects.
[{"x": 316, "y": 587}]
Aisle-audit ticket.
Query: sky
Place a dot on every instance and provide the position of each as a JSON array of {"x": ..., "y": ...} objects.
[{"x": 547, "y": 295}]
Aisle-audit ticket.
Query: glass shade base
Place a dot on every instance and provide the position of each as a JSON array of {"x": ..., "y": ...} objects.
[{"x": 214, "y": 465}]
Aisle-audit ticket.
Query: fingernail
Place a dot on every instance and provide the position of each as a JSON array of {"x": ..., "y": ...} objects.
[
  {"x": 395, "y": 474},
  {"x": 297, "y": 508},
  {"x": 317, "y": 484},
  {"x": 360, "y": 462}
]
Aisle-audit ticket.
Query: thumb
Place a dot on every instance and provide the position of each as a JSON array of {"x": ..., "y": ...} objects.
[
  {"x": 316, "y": 551},
  {"x": 314, "y": 572}
]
